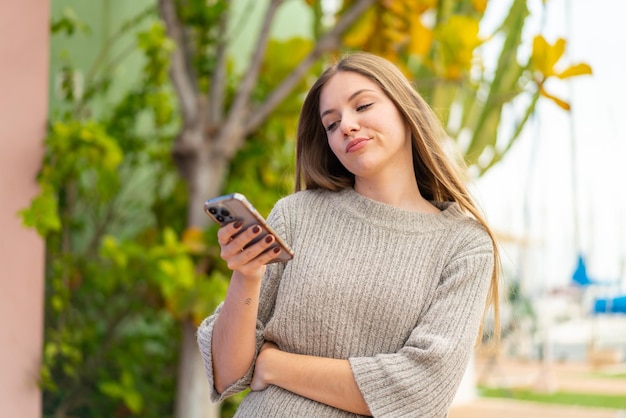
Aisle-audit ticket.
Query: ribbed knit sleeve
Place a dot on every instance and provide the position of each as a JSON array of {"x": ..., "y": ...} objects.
[
  {"x": 421, "y": 379},
  {"x": 269, "y": 288}
]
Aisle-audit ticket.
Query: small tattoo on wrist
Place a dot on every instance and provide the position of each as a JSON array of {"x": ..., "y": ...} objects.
[{"x": 248, "y": 301}]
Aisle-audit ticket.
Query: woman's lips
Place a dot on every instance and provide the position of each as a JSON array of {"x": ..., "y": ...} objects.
[{"x": 356, "y": 144}]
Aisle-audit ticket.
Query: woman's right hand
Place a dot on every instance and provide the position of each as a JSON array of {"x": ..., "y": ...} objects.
[{"x": 249, "y": 261}]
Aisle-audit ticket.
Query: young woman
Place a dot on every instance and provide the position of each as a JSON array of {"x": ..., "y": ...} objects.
[{"x": 379, "y": 310}]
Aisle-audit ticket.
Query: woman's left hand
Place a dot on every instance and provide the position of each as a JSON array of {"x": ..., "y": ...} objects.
[
  {"x": 262, "y": 372},
  {"x": 326, "y": 380}
]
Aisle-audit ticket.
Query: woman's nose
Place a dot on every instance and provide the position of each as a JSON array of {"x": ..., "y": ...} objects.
[{"x": 349, "y": 124}]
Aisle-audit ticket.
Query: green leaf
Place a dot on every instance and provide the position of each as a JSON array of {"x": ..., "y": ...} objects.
[
  {"x": 134, "y": 401},
  {"x": 68, "y": 23},
  {"x": 43, "y": 213},
  {"x": 112, "y": 389}
]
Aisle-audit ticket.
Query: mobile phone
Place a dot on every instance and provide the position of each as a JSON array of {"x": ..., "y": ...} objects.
[{"x": 229, "y": 208}]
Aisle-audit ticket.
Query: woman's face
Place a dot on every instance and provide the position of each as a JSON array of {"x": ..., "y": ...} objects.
[{"x": 364, "y": 128}]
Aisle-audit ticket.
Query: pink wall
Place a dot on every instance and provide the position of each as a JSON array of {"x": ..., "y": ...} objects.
[{"x": 24, "y": 39}]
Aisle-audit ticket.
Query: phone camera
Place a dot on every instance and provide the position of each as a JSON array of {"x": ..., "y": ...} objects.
[
  {"x": 220, "y": 218},
  {"x": 225, "y": 213},
  {"x": 212, "y": 210}
]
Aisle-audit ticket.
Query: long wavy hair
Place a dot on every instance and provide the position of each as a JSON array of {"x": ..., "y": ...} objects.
[{"x": 439, "y": 177}]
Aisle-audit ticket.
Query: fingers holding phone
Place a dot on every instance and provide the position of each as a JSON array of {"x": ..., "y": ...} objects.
[
  {"x": 238, "y": 219},
  {"x": 242, "y": 249}
]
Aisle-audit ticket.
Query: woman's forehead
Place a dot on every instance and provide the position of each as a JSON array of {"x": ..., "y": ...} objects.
[{"x": 344, "y": 86}]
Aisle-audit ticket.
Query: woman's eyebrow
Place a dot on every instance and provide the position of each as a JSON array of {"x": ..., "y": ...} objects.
[{"x": 352, "y": 96}]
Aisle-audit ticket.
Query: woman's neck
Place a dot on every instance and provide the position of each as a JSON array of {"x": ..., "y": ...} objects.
[{"x": 401, "y": 194}]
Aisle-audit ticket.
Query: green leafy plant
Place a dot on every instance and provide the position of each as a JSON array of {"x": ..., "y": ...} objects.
[{"x": 115, "y": 263}]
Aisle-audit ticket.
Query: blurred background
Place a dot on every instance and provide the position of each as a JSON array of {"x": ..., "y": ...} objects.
[{"x": 118, "y": 119}]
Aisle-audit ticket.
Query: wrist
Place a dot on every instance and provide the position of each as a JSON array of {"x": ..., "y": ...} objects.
[
  {"x": 270, "y": 358},
  {"x": 248, "y": 277}
]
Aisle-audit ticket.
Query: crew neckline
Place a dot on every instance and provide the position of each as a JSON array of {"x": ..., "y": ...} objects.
[{"x": 392, "y": 217}]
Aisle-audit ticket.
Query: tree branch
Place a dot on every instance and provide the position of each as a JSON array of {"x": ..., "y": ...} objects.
[
  {"x": 179, "y": 71},
  {"x": 327, "y": 43},
  {"x": 238, "y": 111},
  {"x": 218, "y": 81}
]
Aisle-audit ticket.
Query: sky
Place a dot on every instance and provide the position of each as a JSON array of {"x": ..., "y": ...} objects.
[{"x": 560, "y": 191}]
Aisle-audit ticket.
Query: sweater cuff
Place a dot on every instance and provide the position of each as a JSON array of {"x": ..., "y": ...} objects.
[{"x": 204, "y": 336}]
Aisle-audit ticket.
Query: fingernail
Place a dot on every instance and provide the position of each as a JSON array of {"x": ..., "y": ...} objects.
[
  {"x": 269, "y": 239},
  {"x": 256, "y": 229},
  {"x": 276, "y": 250},
  {"x": 237, "y": 224}
]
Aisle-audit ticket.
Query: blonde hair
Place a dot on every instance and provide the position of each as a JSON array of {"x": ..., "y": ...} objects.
[{"x": 439, "y": 177}]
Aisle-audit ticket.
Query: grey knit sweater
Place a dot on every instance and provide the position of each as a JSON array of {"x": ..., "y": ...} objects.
[{"x": 399, "y": 294}]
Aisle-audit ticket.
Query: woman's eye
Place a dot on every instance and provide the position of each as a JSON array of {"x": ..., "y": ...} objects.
[
  {"x": 331, "y": 127},
  {"x": 363, "y": 107}
]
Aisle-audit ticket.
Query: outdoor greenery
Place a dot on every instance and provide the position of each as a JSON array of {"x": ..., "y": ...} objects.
[
  {"x": 606, "y": 375},
  {"x": 108, "y": 210},
  {"x": 131, "y": 268},
  {"x": 563, "y": 398}
]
